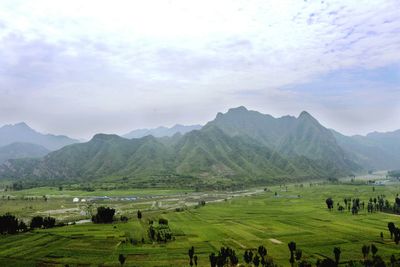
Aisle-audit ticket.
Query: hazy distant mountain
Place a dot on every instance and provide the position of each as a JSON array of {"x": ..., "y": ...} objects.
[
  {"x": 238, "y": 145},
  {"x": 373, "y": 151},
  {"x": 162, "y": 131},
  {"x": 22, "y": 150},
  {"x": 22, "y": 133}
]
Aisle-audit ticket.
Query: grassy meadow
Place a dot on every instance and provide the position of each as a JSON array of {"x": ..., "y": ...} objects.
[{"x": 244, "y": 222}]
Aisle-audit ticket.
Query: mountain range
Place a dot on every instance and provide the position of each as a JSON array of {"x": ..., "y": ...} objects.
[
  {"x": 239, "y": 145},
  {"x": 22, "y": 150},
  {"x": 162, "y": 131},
  {"x": 22, "y": 133}
]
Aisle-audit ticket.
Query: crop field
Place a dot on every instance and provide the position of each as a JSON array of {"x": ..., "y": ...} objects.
[{"x": 271, "y": 218}]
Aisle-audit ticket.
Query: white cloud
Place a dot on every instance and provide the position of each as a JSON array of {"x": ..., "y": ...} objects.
[{"x": 134, "y": 57}]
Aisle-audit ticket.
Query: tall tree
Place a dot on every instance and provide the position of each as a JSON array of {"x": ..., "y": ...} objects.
[
  {"x": 329, "y": 203},
  {"x": 374, "y": 250},
  {"x": 337, "y": 253},
  {"x": 292, "y": 248},
  {"x": 365, "y": 251},
  {"x": 298, "y": 254},
  {"x": 121, "y": 259}
]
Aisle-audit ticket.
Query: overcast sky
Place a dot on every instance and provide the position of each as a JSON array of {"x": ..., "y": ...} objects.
[{"x": 82, "y": 67}]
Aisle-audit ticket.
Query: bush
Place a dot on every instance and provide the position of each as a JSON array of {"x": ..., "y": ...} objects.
[
  {"x": 36, "y": 222},
  {"x": 163, "y": 221},
  {"x": 9, "y": 224},
  {"x": 104, "y": 215}
]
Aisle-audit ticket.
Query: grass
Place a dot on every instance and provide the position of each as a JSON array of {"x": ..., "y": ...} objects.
[{"x": 240, "y": 222}]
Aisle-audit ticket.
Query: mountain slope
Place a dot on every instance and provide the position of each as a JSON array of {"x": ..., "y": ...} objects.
[
  {"x": 374, "y": 151},
  {"x": 289, "y": 136},
  {"x": 206, "y": 153},
  {"x": 162, "y": 131},
  {"x": 239, "y": 145},
  {"x": 22, "y": 150},
  {"x": 22, "y": 133},
  {"x": 263, "y": 128},
  {"x": 307, "y": 137}
]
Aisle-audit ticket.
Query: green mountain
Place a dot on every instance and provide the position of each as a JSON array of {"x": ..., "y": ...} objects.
[
  {"x": 238, "y": 146},
  {"x": 22, "y": 150},
  {"x": 291, "y": 137},
  {"x": 22, "y": 133}
]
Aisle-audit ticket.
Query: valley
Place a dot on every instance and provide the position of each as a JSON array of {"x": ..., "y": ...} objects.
[{"x": 242, "y": 220}]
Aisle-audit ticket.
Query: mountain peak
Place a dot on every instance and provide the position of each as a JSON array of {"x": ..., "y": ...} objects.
[
  {"x": 18, "y": 126},
  {"x": 306, "y": 117},
  {"x": 105, "y": 137},
  {"x": 21, "y": 124},
  {"x": 305, "y": 114},
  {"x": 238, "y": 109}
]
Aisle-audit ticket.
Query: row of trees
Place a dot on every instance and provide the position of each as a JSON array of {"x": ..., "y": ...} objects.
[
  {"x": 9, "y": 224},
  {"x": 226, "y": 256},
  {"x": 374, "y": 204}
]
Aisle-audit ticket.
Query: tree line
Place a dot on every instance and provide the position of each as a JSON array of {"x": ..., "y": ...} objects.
[
  {"x": 9, "y": 224},
  {"x": 354, "y": 205},
  {"x": 259, "y": 257}
]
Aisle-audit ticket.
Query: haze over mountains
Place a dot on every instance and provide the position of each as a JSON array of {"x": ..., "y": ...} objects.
[
  {"x": 22, "y": 133},
  {"x": 162, "y": 131},
  {"x": 236, "y": 145},
  {"x": 21, "y": 141}
]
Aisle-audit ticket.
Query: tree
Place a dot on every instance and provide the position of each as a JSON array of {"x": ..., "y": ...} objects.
[
  {"x": 36, "y": 222},
  {"x": 292, "y": 248},
  {"x": 213, "y": 260},
  {"x": 298, "y": 254},
  {"x": 337, "y": 253},
  {"x": 248, "y": 256},
  {"x": 365, "y": 251},
  {"x": 22, "y": 226},
  {"x": 104, "y": 215},
  {"x": 8, "y": 224},
  {"x": 374, "y": 250},
  {"x": 329, "y": 203},
  {"x": 256, "y": 260},
  {"x": 391, "y": 228},
  {"x": 121, "y": 259},
  {"x": 163, "y": 221},
  {"x": 392, "y": 260},
  {"x": 191, "y": 253},
  {"x": 262, "y": 251},
  {"x": 396, "y": 235},
  {"x": 49, "y": 222}
]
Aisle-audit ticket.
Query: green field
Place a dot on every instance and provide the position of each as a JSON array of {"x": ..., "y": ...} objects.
[{"x": 298, "y": 214}]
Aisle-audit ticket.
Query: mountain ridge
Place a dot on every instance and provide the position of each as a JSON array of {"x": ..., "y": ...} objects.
[
  {"x": 239, "y": 145},
  {"x": 22, "y": 133},
  {"x": 162, "y": 131}
]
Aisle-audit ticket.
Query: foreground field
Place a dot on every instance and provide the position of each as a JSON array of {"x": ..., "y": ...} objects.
[{"x": 297, "y": 214}]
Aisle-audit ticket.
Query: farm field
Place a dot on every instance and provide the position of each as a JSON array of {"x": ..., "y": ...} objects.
[{"x": 272, "y": 218}]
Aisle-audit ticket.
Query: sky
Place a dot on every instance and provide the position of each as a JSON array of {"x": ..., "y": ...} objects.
[{"x": 83, "y": 67}]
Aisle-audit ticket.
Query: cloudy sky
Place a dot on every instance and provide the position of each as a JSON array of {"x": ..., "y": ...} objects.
[{"x": 82, "y": 67}]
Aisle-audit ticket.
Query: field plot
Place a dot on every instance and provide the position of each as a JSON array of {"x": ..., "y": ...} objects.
[{"x": 271, "y": 218}]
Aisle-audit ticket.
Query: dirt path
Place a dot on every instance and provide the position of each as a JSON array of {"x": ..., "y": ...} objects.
[{"x": 275, "y": 241}]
